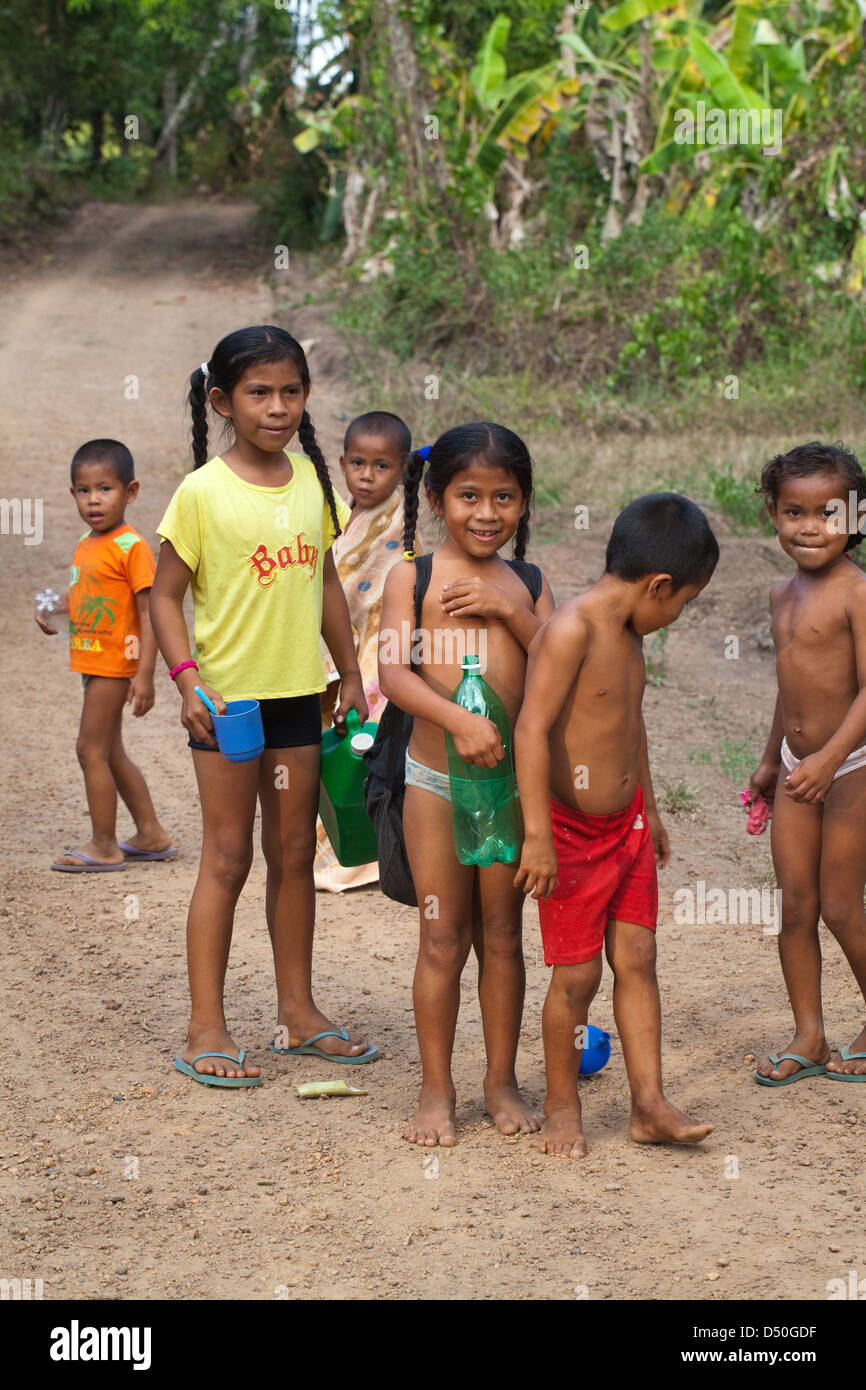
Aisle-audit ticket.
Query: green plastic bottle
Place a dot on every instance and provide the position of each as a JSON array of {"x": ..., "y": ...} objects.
[
  {"x": 341, "y": 793},
  {"x": 485, "y": 811}
]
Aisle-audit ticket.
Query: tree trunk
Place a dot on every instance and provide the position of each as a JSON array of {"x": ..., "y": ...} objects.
[
  {"x": 403, "y": 66},
  {"x": 168, "y": 134},
  {"x": 169, "y": 103},
  {"x": 97, "y": 131}
]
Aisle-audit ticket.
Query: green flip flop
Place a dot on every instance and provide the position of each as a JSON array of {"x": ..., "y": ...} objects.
[
  {"x": 848, "y": 1056},
  {"x": 206, "y": 1079},
  {"x": 807, "y": 1069},
  {"x": 309, "y": 1049}
]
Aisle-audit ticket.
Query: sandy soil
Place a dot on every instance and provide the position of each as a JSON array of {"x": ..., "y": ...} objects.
[{"x": 120, "y": 1178}]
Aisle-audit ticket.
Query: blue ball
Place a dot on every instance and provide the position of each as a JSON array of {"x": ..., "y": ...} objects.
[{"x": 596, "y": 1053}]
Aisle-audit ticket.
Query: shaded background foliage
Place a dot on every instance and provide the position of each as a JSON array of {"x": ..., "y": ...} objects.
[{"x": 499, "y": 185}]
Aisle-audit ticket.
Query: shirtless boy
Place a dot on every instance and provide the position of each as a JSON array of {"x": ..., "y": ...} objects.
[
  {"x": 815, "y": 759},
  {"x": 593, "y": 833}
]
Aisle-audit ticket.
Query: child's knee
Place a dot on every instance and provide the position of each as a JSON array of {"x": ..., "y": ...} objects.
[
  {"x": 230, "y": 862},
  {"x": 800, "y": 908},
  {"x": 839, "y": 911},
  {"x": 445, "y": 944},
  {"x": 90, "y": 754},
  {"x": 635, "y": 954},
  {"x": 290, "y": 854},
  {"x": 502, "y": 936},
  {"x": 579, "y": 983}
]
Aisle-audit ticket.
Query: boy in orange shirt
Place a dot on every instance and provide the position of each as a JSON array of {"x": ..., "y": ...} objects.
[{"x": 112, "y": 646}]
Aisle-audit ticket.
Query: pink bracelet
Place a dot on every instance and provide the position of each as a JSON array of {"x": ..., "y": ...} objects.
[{"x": 184, "y": 665}]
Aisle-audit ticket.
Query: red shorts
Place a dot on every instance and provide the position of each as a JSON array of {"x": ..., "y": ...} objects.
[{"x": 606, "y": 871}]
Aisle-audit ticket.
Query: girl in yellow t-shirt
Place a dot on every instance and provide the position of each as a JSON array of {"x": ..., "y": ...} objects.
[{"x": 251, "y": 532}]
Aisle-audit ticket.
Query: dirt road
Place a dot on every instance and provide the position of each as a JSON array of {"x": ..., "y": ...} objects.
[{"x": 118, "y": 1178}]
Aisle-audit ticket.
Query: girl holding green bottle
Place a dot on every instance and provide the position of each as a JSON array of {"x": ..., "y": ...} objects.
[{"x": 479, "y": 484}]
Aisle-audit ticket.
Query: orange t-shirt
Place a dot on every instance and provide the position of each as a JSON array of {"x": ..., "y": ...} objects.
[{"x": 107, "y": 572}]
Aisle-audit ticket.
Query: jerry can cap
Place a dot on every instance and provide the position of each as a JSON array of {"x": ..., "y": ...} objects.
[{"x": 361, "y": 743}]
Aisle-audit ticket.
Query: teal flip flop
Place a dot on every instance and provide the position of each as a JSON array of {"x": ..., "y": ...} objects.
[
  {"x": 848, "y": 1056},
  {"x": 309, "y": 1049},
  {"x": 807, "y": 1068},
  {"x": 206, "y": 1080}
]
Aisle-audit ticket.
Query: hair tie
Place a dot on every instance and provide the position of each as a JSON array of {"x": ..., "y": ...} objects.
[
  {"x": 205, "y": 369},
  {"x": 423, "y": 452},
  {"x": 408, "y": 554}
]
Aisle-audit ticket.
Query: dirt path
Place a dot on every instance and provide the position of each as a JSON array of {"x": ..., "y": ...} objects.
[{"x": 120, "y": 1179}]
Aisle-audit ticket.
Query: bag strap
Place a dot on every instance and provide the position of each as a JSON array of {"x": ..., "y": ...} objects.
[
  {"x": 398, "y": 737},
  {"x": 530, "y": 574}
]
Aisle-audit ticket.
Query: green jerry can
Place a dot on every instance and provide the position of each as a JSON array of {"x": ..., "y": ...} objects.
[{"x": 341, "y": 793}]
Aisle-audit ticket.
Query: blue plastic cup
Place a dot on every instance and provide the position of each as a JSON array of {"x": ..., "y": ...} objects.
[
  {"x": 239, "y": 732},
  {"x": 596, "y": 1052}
]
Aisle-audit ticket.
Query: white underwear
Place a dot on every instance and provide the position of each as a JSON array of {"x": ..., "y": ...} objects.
[{"x": 851, "y": 763}]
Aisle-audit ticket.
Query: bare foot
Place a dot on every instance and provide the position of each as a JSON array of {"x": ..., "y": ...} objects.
[
  {"x": 562, "y": 1134},
  {"x": 806, "y": 1046},
  {"x": 216, "y": 1040},
  {"x": 295, "y": 1033},
  {"x": 509, "y": 1111},
  {"x": 664, "y": 1124},
  {"x": 434, "y": 1121},
  {"x": 97, "y": 852},
  {"x": 857, "y": 1065},
  {"x": 150, "y": 844}
]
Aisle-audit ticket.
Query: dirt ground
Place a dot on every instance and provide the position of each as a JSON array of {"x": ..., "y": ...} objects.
[{"x": 118, "y": 1177}]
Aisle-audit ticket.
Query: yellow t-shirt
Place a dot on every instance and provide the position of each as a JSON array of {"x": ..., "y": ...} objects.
[{"x": 256, "y": 557}]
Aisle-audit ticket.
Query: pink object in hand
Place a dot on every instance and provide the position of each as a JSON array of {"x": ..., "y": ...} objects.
[{"x": 759, "y": 811}]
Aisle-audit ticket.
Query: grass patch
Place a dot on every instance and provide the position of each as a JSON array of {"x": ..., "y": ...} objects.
[
  {"x": 736, "y": 760},
  {"x": 655, "y": 657},
  {"x": 735, "y": 496},
  {"x": 679, "y": 799}
]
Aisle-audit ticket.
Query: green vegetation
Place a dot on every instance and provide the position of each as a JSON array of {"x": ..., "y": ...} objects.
[
  {"x": 737, "y": 760},
  {"x": 655, "y": 656},
  {"x": 679, "y": 799},
  {"x": 629, "y": 221}
]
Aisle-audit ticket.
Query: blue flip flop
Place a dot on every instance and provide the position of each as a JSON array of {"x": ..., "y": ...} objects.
[
  {"x": 206, "y": 1080},
  {"x": 309, "y": 1049},
  {"x": 848, "y": 1056},
  {"x": 807, "y": 1068},
  {"x": 87, "y": 865},
  {"x": 145, "y": 856}
]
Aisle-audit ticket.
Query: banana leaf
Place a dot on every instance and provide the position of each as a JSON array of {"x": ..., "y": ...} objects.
[
  {"x": 489, "y": 70},
  {"x": 621, "y": 16},
  {"x": 740, "y": 47},
  {"x": 529, "y": 99},
  {"x": 728, "y": 90}
]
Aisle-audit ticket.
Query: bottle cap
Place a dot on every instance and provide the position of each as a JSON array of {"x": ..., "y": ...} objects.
[
  {"x": 470, "y": 660},
  {"x": 361, "y": 743}
]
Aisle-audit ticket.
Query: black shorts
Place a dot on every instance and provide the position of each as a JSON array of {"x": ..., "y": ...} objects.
[{"x": 288, "y": 723}]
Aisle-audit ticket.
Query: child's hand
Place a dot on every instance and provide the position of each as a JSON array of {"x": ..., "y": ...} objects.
[
  {"x": 764, "y": 780},
  {"x": 46, "y": 628},
  {"x": 477, "y": 740},
  {"x": 140, "y": 694},
  {"x": 812, "y": 778},
  {"x": 661, "y": 844},
  {"x": 351, "y": 697},
  {"x": 195, "y": 715},
  {"x": 475, "y": 598},
  {"x": 537, "y": 872}
]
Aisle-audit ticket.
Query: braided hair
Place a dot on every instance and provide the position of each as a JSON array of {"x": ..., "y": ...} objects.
[
  {"x": 234, "y": 355},
  {"x": 455, "y": 450}
]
